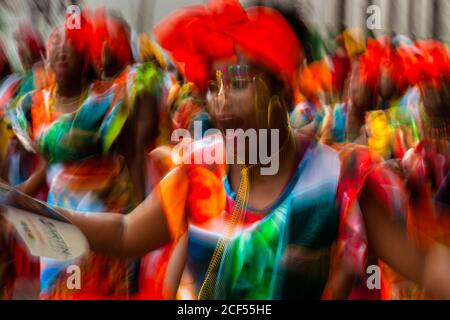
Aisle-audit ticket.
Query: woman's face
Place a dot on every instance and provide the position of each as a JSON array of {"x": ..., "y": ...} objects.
[
  {"x": 64, "y": 59},
  {"x": 237, "y": 99}
]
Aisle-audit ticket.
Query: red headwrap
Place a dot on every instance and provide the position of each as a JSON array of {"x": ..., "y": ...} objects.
[
  {"x": 434, "y": 63},
  {"x": 370, "y": 63},
  {"x": 110, "y": 31},
  {"x": 408, "y": 56},
  {"x": 198, "y": 35},
  {"x": 400, "y": 64},
  {"x": 79, "y": 38}
]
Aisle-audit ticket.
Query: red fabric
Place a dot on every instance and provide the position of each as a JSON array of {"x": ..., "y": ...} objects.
[
  {"x": 397, "y": 68},
  {"x": 341, "y": 70},
  {"x": 3, "y": 58},
  {"x": 434, "y": 62},
  {"x": 152, "y": 275},
  {"x": 401, "y": 64},
  {"x": 410, "y": 68},
  {"x": 197, "y": 35},
  {"x": 370, "y": 63},
  {"x": 109, "y": 31}
]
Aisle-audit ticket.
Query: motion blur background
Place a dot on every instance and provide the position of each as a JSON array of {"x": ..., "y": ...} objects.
[{"x": 418, "y": 19}]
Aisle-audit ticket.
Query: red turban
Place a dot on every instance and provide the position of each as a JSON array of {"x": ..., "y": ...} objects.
[
  {"x": 401, "y": 63},
  {"x": 198, "y": 35},
  {"x": 79, "y": 38},
  {"x": 97, "y": 29},
  {"x": 110, "y": 31},
  {"x": 31, "y": 37}
]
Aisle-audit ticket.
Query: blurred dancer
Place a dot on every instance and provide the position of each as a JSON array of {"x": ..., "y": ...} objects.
[
  {"x": 20, "y": 164},
  {"x": 6, "y": 258},
  {"x": 7, "y": 87},
  {"x": 253, "y": 236},
  {"x": 80, "y": 130}
]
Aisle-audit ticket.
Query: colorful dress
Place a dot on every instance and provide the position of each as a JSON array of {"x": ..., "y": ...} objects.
[
  {"x": 332, "y": 132},
  {"x": 264, "y": 258},
  {"x": 85, "y": 172}
]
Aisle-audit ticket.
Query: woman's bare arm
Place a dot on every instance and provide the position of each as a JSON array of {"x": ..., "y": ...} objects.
[
  {"x": 139, "y": 133},
  {"x": 145, "y": 229},
  {"x": 390, "y": 242}
]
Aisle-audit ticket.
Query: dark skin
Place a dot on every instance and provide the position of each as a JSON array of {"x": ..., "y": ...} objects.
[
  {"x": 426, "y": 167},
  {"x": 435, "y": 132},
  {"x": 67, "y": 65},
  {"x": 129, "y": 236},
  {"x": 362, "y": 100},
  {"x": 142, "y": 127},
  {"x": 5, "y": 67},
  {"x": 239, "y": 112},
  {"x": 388, "y": 89}
]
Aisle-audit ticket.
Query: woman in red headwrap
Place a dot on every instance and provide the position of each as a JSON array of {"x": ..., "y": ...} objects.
[
  {"x": 386, "y": 118},
  {"x": 86, "y": 132},
  {"x": 254, "y": 233},
  {"x": 18, "y": 163}
]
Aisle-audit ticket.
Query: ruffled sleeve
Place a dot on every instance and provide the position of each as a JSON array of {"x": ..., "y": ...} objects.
[
  {"x": 192, "y": 193},
  {"x": 135, "y": 81},
  {"x": 19, "y": 116}
]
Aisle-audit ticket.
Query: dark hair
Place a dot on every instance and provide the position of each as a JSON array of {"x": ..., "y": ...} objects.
[
  {"x": 294, "y": 15},
  {"x": 7, "y": 70}
]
